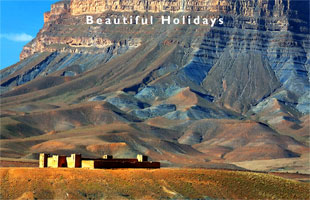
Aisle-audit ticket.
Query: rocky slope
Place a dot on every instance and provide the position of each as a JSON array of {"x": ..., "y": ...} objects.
[{"x": 230, "y": 92}]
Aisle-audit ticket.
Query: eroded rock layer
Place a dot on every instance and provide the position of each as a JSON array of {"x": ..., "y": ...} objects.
[{"x": 179, "y": 93}]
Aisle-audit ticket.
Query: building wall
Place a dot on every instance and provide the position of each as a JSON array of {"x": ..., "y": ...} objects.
[
  {"x": 107, "y": 157},
  {"x": 62, "y": 161},
  {"x": 74, "y": 161},
  {"x": 52, "y": 161},
  {"x": 109, "y": 164},
  {"x": 142, "y": 158},
  {"x": 57, "y": 161},
  {"x": 88, "y": 164},
  {"x": 43, "y": 160}
]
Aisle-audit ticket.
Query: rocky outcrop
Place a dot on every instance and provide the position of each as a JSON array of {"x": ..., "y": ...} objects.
[
  {"x": 45, "y": 43},
  {"x": 57, "y": 9},
  {"x": 240, "y": 80},
  {"x": 254, "y": 13},
  {"x": 247, "y": 8}
]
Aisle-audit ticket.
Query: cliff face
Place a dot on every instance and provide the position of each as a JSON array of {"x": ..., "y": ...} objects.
[
  {"x": 98, "y": 6},
  {"x": 249, "y": 75},
  {"x": 275, "y": 30},
  {"x": 282, "y": 13},
  {"x": 247, "y": 8},
  {"x": 275, "y": 8}
]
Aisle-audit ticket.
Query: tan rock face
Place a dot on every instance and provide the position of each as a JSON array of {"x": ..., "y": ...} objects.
[
  {"x": 79, "y": 7},
  {"x": 47, "y": 16},
  {"x": 58, "y": 8},
  {"x": 75, "y": 9},
  {"x": 247, "y": 8},
  {"x": 72, "y": 44},
  {"x": 98, "y": 6}
]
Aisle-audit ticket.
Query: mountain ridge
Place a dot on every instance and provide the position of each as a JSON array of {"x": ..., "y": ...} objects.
[{"x": 249, "y": 75}]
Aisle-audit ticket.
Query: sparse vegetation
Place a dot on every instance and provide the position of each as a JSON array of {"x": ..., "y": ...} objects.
[{"x": 147, "y": 184}]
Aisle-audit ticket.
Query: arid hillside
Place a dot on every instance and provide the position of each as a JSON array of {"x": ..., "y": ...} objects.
[
  {"x": 34, "y": 183},
  {"x": 227, "y": 95}
]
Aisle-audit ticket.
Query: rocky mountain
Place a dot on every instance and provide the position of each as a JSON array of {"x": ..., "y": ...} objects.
[{"x": 184, "y": 94}]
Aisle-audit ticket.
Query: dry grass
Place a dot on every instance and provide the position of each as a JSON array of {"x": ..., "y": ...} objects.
[
  {"x": 291, "y": 165},
  {"x": 146, "y": 184}
]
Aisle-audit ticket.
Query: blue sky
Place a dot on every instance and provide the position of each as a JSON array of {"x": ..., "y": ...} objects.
[{"x": 20, "y": 21}]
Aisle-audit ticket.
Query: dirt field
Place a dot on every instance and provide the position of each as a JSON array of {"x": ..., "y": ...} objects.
[
  {"x": 35, "y": 183},
  {"x": 17, "y": 163},
  {"x": 290, "y": 165}
]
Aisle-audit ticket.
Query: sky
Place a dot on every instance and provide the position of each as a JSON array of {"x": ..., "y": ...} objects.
[{"x": 20, "y": 21}]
